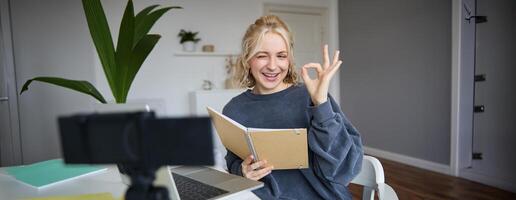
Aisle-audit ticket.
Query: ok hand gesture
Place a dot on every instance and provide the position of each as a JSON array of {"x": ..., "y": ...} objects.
[{"x": 318, "y": 87}]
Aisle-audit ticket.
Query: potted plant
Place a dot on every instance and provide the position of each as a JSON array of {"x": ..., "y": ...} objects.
[
  {"x": 120, "y": 65},
  {"x": 188, "y": 40}
]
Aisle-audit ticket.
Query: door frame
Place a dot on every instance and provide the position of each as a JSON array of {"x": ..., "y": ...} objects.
[
  {"x": 15, "y": 156},
  {"x": 462, "y": 103},
  {"x": 462, "y": 95},
  {"x": 330, "y": 33}
]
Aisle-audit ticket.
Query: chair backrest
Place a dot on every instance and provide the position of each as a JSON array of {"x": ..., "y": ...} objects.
[
  {"x": 372, "y": 178},
  {"x": 371, "y": 174}
]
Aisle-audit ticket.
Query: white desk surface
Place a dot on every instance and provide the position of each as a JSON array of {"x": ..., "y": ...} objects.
[{"x": 105, "y": 181}]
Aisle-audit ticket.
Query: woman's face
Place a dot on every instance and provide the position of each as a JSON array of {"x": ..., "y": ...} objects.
[{"x": 269, "y": 66}]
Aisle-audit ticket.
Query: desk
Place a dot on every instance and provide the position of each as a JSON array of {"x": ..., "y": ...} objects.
[{"x": 106, "y": 181}]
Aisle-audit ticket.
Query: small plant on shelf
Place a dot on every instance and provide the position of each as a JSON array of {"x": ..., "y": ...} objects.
[{"x": 188, "y": 40}]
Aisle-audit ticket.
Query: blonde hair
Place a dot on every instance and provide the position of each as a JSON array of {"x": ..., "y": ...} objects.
[{"x": 250, "y": 44}]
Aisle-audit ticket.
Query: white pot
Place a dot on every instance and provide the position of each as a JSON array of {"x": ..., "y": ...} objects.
[{"x": 189, "y": 46}]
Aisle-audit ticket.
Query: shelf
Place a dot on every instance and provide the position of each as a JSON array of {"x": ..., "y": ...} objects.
[{"x": 205, "y": 54}]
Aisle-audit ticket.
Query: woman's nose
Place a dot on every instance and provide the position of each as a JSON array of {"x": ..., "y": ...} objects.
[{"x": 272, "y": 64}]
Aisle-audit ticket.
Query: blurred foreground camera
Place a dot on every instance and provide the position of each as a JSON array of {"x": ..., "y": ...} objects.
[{"x": 139, "y": 143}]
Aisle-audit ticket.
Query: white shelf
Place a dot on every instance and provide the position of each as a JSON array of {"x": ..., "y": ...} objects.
[{"x": 206, "y": 54}]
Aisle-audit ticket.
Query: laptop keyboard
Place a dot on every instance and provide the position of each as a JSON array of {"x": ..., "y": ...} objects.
[{"x": 190, "y": 189}]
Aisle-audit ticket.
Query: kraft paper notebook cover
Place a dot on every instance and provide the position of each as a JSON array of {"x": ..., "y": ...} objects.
[
  {"x": 283, "y": 148},
  {"x": 47, "y": 173}
]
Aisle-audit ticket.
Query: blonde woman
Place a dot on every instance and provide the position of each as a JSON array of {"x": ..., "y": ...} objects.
[{"x": 276, "y": 100}]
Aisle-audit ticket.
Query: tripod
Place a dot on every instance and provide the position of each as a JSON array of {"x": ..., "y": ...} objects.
[{"x": 141, "y": 184}]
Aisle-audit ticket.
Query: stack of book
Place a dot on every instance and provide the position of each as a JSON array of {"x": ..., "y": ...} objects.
[{"x": 48, "y": 173}]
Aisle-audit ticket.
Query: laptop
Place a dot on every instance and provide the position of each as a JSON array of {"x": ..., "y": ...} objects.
[{"x": 189, "y": 183}]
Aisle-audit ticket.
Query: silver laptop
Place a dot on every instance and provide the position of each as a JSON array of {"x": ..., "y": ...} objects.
[{"x": 188, "y": 182}]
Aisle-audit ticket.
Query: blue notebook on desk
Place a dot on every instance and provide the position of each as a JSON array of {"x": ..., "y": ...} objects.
[{"x": 50, "y": 172}]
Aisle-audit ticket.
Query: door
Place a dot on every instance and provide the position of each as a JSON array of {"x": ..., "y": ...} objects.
[
  {"x": 10, "y": 151},
  {"x": 494, "y": 126},
  {"x": 309, "y": 28},
  {"x": 5, "y": 128}
]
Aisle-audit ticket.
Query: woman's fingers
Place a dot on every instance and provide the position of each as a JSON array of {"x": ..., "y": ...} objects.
[
  {"x": 309, "y": 82},
  {"x": 245, "y": 165},
  {"x": 335, "y": 68},
  {"x": 335, "y": 57},
  {"x": 259, "y": 174},
  {"x": 257, "y": 170},
  {"x": 318, "y": 87},
  {"x": 248, "y": 160},
  {"x": 326, "y": 57},
  {"x": 322, "y": 70},
  {"x": 305, "y": 76},
  {"x": 258, "y": 164},
  {"x": 315, "y": 66}
]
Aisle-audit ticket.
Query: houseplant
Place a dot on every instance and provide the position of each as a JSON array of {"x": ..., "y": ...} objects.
[
  {"x": 120, "y": 65},
  {"x": 188, "y": 40}
]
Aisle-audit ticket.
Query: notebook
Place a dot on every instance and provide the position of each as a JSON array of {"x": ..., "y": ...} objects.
[
  {"x": 47, "y": 173},
  {"x": 283, "y": 148},
  {"x": 97, "y": 196}
]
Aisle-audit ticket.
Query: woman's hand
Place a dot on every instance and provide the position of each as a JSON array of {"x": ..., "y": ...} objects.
[
  {"x": 255, "y": 171},
  {"x": 318, "y": 88}
]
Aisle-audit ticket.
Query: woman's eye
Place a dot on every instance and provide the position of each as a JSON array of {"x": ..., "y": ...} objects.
[
  {"x": 282, "y": 56},
  {"x": 261, "y": 56}
]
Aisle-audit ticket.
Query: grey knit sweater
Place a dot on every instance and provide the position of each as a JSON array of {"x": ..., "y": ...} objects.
[{"x": 335, "y": 148}]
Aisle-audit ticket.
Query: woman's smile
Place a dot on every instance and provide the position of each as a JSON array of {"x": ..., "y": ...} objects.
[{"x": 271, "y": 76}]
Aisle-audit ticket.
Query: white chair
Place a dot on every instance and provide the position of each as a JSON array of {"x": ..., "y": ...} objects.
[{"x": 372, "y": 178}]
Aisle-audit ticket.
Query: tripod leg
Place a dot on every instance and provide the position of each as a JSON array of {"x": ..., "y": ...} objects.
[
  {"x": 159, "y": 193},
  {"x": 136, "y": 193}
]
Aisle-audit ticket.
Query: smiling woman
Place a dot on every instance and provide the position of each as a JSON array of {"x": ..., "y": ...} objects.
[
  {"x": 270, "y": 65},
  {"x": 267, "y": 44},
  {"x": 276, "y": 100}
]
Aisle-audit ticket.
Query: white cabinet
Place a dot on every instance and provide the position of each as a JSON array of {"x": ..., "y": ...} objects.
[{"x": 216, "y": 99}]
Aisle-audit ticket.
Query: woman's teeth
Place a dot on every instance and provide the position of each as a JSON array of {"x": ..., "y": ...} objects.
[{"x": 268, "y": 75}]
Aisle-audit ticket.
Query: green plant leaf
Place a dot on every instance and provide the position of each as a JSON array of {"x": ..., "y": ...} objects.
[
  {"x": 145, "y": 22},
  {"x": 120, "y": 66},
  {"x": 77, "y": 85},
  {"x": 144, "y": 12},
  {"x": 102, "y": 39},
  {"x": 124, "y": 49},
  {"x": 140, "y": 53}
]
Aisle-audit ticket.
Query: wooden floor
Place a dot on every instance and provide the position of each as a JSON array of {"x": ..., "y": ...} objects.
[{"x": 415, "y": 183}]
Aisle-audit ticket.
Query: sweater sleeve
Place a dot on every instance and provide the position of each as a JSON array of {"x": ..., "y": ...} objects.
[
  {"x": 335, "y": 143},
  {"x": 233, "y": 162}
]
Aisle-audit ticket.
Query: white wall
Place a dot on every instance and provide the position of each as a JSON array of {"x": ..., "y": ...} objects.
[
  {"x": 51, "y": 38},
  {"x": 169, "y": 78},
  {"x": 397, "y": 84}
]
